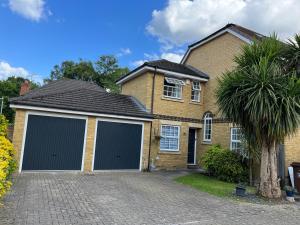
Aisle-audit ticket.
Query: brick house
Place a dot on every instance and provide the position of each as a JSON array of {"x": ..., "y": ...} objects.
[
  {"x": 173, "y": 103},
  {"x": 186, "y": 109}
]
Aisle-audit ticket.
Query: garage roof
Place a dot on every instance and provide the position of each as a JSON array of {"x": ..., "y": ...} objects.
[{"x": 82, "y": 96}]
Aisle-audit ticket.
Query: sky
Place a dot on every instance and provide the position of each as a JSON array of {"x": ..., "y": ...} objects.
[{"x": 35, "y": 35}]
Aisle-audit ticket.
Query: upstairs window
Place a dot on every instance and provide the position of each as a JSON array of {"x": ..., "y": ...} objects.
[
  {"x": 196, "y": 89},
  {"x": 207, "y": 128},
  {"x": 236, "y": 140},
  {"x": 173, "y": 88},
  {"x": 169, "y": 140}
]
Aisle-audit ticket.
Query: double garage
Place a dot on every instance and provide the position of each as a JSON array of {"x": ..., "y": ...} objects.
[{"x": 54, "y": 142}]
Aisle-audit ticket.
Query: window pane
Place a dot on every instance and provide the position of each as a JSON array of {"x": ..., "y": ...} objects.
[
  {"x": 172, "y": 91},
  {"x": 169, "y": 138},
  {"x": 236, "y": 140},
  {"x": 207, "y": 128}
]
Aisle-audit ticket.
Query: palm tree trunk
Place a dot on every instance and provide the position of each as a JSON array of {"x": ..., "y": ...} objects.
[{"x": 269, "y": 183}]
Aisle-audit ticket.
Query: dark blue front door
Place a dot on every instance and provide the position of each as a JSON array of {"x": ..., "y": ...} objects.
[
  {"x": 118, "y": 146},
  {"x": 53, "y": 143},
  {"x": 191, "y": 146}
]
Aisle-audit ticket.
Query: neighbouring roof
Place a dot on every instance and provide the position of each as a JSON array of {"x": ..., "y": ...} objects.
[
  {"x": 82, "y": 96},
  {"x": 243, "y": 33},
  {"x": 166, "y": 66}
]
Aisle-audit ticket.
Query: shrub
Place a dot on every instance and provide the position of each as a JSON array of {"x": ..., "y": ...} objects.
[
  {"x": 224, "y": 164},
  {"x": 7, "y": 161},
  {"x": 3, "y": 125}
]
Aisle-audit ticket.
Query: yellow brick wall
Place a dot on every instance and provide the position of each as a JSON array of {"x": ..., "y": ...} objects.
[
  {"x": 292, "y": 149},
  {"x": 89, "y": 145},
  {"x": 173, "y": 107},
  {"x": 18, "y": 132},
  {"x": 214, "y": 58},
  {"x": 171, "y": 160},
  {"x": 139, "y": 87}
]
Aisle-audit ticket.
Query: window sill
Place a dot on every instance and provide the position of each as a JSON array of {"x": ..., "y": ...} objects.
[
  {"x": 195, "y": 103},
  {"x": 172, "y": 99},
  {"x": 206, "y": 142},
  {"x": 169, "y": 152}
]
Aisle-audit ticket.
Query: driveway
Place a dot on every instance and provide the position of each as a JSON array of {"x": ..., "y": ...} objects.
[{"x": 127, "y": 198}]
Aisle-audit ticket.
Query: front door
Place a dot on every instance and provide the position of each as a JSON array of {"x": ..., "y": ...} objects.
[{"x": 192, "y": 147}]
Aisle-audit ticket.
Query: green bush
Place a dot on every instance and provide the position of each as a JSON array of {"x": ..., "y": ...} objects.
[
  {"x": 3, "y": 125},
  {"x": 224, "y": 164},
  {"x": 7, "y": 160}
]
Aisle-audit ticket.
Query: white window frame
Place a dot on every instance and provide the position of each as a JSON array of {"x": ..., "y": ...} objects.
[
  {"x": 178, "y": 85},
  {"x": 231, "y": 138},
  {"x": 198, "y": 90},
  {"x": 207, "y": 117},
  {"x": 178, "y": 138}
]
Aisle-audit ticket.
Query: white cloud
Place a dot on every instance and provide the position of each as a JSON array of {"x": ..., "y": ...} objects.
[
  {"x": 139, "y": 62},
  {"x": 6, "y": 70},
  {"x": 30, "y": 9},
  {"x": 171, "y": 56},
  {"x": 185, "y": 21},
  {"x": 124, "y": 51}
]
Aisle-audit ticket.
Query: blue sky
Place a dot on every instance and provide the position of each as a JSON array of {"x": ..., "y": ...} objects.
[
  {"x": 37, "y": 34},
  {"x": 74, "y": 29}
]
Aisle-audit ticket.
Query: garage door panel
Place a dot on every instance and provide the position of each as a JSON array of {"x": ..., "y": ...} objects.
[
  {"x": 118, "y": 146},
  {"x": 53, "y": 143}
]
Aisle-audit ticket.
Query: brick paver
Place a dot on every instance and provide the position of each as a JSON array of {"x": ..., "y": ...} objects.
[{"x": 127, "y": 198}]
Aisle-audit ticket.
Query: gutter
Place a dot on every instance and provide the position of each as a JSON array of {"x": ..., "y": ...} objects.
[{"x": 151, "y": 111}]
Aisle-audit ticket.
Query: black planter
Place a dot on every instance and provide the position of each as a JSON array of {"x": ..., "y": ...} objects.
[{"x": 240, "y": 191}]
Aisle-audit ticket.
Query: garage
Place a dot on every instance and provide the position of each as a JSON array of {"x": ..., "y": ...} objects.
[
  {"x": 118, "y": 145},
  {"x": 72, "y": 125},
  {"x": 53, "y": 143}
]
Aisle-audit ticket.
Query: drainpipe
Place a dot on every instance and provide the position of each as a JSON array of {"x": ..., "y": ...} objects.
[{"x": 151, "y": 111}]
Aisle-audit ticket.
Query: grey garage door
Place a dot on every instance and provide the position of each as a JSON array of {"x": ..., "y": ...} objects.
[
  {"x": 53, "y": 143},
  {"x": 118, "y": 146}
]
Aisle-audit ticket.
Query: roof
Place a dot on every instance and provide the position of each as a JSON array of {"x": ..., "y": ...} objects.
[
  {"x": 62, "y": 85},
  {"x": 84, "y": 97},
  {"x": 243, "y": 33},
  {"x": 167, "y": 66}
]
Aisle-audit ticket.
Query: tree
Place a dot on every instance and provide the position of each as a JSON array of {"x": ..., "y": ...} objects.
[
  {"x": 82, "y": 70},
  {"x": 291, "y": 54},
  {"x": 108, "y": 72},
  {"x": 11, "y": 88},
  {"x": 104, "y": 72},
  {"x": 263, "y": 99}
]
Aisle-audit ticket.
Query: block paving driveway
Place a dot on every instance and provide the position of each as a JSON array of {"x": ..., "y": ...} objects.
[{"x": 129, "y": 199}]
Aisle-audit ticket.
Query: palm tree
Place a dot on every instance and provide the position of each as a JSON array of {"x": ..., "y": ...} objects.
[
  {"x": 291, "y": 54},
  {"x": 264, "y": 101}
]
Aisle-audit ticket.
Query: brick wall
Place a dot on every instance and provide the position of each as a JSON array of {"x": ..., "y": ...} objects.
[
  {"x": 214, "y": 58},
  {"x": 18, "y": 132},
  {"x": 292, "y": 149},
  {"x": 169, "y": 160},
  {"x": 140, "y": 87},
  {"x": 183, "y": 107}
]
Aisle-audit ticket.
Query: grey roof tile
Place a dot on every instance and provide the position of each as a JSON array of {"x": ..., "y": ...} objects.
[{"x": 77, "y": 96}]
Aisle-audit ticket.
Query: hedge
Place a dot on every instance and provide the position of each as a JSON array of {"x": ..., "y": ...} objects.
[
  {"x": 225, "y": 164},
  {"x": 7, "y": 160}
]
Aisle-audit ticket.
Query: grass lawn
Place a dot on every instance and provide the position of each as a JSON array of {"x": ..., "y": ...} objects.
[{"x": 210, "y": 185}]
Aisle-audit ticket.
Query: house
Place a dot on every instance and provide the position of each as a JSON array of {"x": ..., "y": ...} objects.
[{"x": 165, "y": 118}]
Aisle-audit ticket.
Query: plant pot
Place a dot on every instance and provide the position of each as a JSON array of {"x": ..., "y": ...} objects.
[
  {"x": 289, "y": 193},
  {"x": 240, "y": 191}
]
